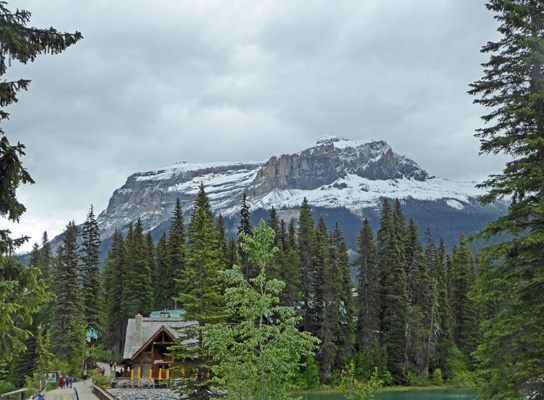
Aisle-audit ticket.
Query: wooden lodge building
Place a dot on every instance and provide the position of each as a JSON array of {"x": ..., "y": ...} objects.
[{"x": 147, "y": 342}]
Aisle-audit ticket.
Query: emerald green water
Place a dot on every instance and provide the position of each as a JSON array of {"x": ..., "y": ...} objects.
[{"x": 448, "y": 394}]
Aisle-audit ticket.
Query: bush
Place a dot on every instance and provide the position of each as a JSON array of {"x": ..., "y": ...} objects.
[
  {"x": 103, "y": 354},
  {"x": 309, "y": 377},
  {"x": 6, "y": 387},
  {"x": 99, "y": 379},
  {"x": 437, "y": 378}
]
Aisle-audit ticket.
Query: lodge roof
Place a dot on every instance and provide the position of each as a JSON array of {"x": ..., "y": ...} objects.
[{"x": 149, "y": 327}]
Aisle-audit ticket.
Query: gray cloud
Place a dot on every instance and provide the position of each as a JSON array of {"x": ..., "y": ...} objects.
[{"x": 154, "y": 83}]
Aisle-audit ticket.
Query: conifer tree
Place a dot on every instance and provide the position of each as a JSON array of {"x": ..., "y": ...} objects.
[
  {"x": 23, "y": 44},
  {"x": 289, "y": 268},
  {"x": 444, "y": 337},
  {"x": 245, "y": 227},
  {"x": 152, "y": 260},
  {"x": 115, "y": 315},
  {"x": 201, "y": 295},
  {"x": 137, "y": 286},
  {"x": 91, "y": 287},
  {"x": 306, "y": 247},
  {"x": 345, "y": 297},
  {"x": 232, "y": 256},
  {"x": 160, "y": 275},
  {"x": 463, "y": 309},
  {"x": 327, "y": 317},
  {"x": 418, "y": 291},
  {"x": 245, "y": 223},
  {"x": 46, "y": 259},
  {"x": 44, "y": 356},
  {"x": 222, "y": 241},
  {"x": 512, "y": 353},
  {"x": 176, "y": 255},
  {"x": 274, "y": 223},
  {"x": 394, "y": 298},
  {"x": 21, "y": 290},
  {"x": 367, "y": 290},
  {"x": 68, "y": 330}
]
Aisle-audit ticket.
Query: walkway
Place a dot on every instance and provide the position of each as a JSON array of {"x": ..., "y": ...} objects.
[{"x": 84, "y": 390}]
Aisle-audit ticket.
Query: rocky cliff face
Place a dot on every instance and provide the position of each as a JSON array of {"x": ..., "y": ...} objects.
[
  {"x": 331, "y": 160},
  {"x": 343, "y": 179}
]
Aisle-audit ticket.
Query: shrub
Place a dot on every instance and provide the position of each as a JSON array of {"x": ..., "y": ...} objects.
[{"x": 437, "y": 378}]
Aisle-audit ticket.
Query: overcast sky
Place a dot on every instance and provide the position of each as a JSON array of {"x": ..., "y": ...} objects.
[{"x": 157, "y": 82}]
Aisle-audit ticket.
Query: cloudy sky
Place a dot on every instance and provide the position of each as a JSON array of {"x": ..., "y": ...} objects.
[{"x": 157, "y": 82}]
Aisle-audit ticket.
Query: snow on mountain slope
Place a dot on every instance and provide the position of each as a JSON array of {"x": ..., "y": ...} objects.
[
  {"x": 336, "y": 173},
  {"x": 354, "y": 193}
]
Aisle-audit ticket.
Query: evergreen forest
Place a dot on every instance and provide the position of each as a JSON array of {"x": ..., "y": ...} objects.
[
  {"x": 281, "y": 294},
  {"x": 408, "y": 315}
]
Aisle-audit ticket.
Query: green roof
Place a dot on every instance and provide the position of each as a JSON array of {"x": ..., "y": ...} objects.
[{"x": 173, "y": 313}]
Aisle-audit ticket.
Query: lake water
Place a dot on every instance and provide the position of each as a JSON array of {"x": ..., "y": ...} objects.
[{"x": 449, "y": 394}]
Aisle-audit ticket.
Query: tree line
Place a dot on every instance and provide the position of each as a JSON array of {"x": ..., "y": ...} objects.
[
  {"x": 407, "y": 314},
  {"x": 416, "y": 308}
]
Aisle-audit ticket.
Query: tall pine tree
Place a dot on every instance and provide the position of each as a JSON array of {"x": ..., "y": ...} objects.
[
  {"x": 512, "y": 353},
  {"x": 201, "y": 294},
  {"x": 306, "y": 248},
  {"x": 137, "y": 286},
  {"x": 115, "y": 316},
  {"x": 367, "y": 290},
  {"x": 68, "y": 330},
  {"x": 91, "y": 286},
  {"x": 176, "y": 256},
  {"x": 394, "y": 298}
]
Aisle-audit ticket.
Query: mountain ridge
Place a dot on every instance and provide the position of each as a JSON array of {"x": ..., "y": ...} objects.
[{"x": 335, "y": 174}]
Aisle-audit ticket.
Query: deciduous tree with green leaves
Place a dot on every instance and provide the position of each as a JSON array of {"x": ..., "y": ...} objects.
[{"x": 258, "y": 356}]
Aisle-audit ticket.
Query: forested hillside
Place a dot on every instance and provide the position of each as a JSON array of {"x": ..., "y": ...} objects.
[{"x": 408, "y": 313}]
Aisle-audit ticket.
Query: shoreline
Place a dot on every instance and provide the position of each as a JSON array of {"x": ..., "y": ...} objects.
[{"x": 384, "y": 389}]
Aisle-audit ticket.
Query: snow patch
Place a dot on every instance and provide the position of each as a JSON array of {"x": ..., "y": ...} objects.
[{"x": 455, "y": 204}]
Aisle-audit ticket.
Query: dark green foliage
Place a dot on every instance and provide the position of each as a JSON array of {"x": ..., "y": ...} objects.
[
  {"x": 274, "y": 223},
  {"x": 443, "y": 336},
  {"x": 232, "y": 256},
  {"x": 465, "y": 323},
  {"x": 394, "y": 299},
  {"x": 160, "y": 275},
  {"x": 222, "y": 240},
  {"x": 115, "y": 315},
  {"x": 306, "y": 246},
  {"x": 137, "y": 286},
  {"x": 91, "y": 286},
  {"x": 327, "y": 313},
  {"x": 201, "y": 293},
  {"x": 176, "y": 256},
  {"x": 512, "y": 353},
  {"x": 345, "y": 304},
  {"x": 289, "y": 270},
  {"x": 250, "y": 270},
  {"x": 367, "y": 291},
  {"x": 68, "y": 328},
  {"x": 418, "y": 315},
  {"x": 245, "y": 224}
]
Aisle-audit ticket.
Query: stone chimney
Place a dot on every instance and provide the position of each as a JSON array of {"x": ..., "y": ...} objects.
[
  {"x": 164, "y": 314},
  {"x": 138, "y": 320}
]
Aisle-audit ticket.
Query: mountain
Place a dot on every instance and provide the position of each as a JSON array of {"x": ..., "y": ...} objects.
[{"x": 344, "y": 181}]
